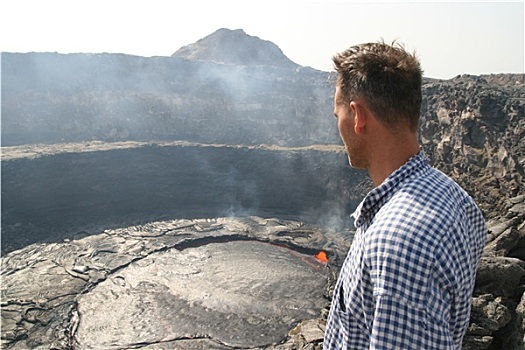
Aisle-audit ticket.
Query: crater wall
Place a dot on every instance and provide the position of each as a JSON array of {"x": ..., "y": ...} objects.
[{"x": 58, "y": 196}]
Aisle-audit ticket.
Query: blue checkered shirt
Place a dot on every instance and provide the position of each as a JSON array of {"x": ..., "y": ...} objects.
[{"x": 408, "y": 278}]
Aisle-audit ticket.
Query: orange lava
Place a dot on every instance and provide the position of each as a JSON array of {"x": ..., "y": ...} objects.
[{"x": 321, "y": 256}]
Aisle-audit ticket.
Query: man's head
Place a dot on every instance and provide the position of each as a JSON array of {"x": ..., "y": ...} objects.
[
  {"x": 377, "y": 105},
  {"x": 386, "y": 77}
]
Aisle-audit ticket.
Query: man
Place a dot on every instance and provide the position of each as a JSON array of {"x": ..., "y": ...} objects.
[{"x": 408, "y": 278}]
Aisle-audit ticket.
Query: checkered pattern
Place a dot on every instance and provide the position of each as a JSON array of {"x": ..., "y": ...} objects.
[{"x": 408, "y": 278}]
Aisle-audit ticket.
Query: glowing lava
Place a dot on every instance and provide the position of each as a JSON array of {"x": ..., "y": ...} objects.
[{"x": 321, "y": 257}]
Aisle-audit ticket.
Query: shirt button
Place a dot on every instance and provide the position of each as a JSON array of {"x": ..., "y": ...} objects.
[{"x": 423, "y": 324}]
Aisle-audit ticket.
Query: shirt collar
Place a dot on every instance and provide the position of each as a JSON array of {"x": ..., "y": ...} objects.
[{"x": 375, "y": 199}]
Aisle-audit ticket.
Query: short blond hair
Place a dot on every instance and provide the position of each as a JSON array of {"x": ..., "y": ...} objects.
[{"x": 386, "y": 77}]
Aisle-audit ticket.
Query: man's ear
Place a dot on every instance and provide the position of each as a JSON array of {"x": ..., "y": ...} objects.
[{"x": 360, "y": 116}]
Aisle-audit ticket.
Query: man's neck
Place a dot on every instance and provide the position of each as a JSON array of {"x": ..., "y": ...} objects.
[{"x": 391, "y": 153}]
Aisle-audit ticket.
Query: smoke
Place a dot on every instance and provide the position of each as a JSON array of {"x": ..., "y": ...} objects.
[
  {"x": 56, "y": 99},
  {"x": 51, "y": 98}
]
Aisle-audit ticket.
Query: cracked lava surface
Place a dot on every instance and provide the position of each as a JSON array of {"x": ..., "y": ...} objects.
[{"x": 188, "y": 284}]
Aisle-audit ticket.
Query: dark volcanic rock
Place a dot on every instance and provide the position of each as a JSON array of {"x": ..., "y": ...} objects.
[
  {"x": 475, "y": 132},
  {"x": 497, "y": 307},
  {"x": 500, "y": 276}
]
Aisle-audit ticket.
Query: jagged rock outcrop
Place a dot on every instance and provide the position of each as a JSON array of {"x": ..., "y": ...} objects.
[
  {"x": 497, "y": 307},
  {"x": 474, "y": 131}
]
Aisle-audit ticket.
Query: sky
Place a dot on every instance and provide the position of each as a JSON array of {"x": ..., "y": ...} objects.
[{"x": 449, "y": 37}]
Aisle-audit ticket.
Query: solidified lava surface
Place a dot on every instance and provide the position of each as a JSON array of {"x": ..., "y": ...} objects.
[
  {"x": 240, "y": 294},
  {"x": 218, "y": 283}
]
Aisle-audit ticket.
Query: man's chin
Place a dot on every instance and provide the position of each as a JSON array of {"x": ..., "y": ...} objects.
[{"x": 355, "y": 165}]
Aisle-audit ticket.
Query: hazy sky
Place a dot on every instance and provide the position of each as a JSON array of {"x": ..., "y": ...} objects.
[{"x": 450, "y": 37}]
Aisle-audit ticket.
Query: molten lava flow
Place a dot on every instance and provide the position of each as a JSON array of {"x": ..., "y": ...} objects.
[
  {"x": 321, "y": 257},
  {"x": 317, "y": 261}
]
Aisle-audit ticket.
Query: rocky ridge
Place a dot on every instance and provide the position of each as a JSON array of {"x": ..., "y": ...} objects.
[
  {"x": 235, "y": 47},
  {"x": 473, "y": 129}
]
